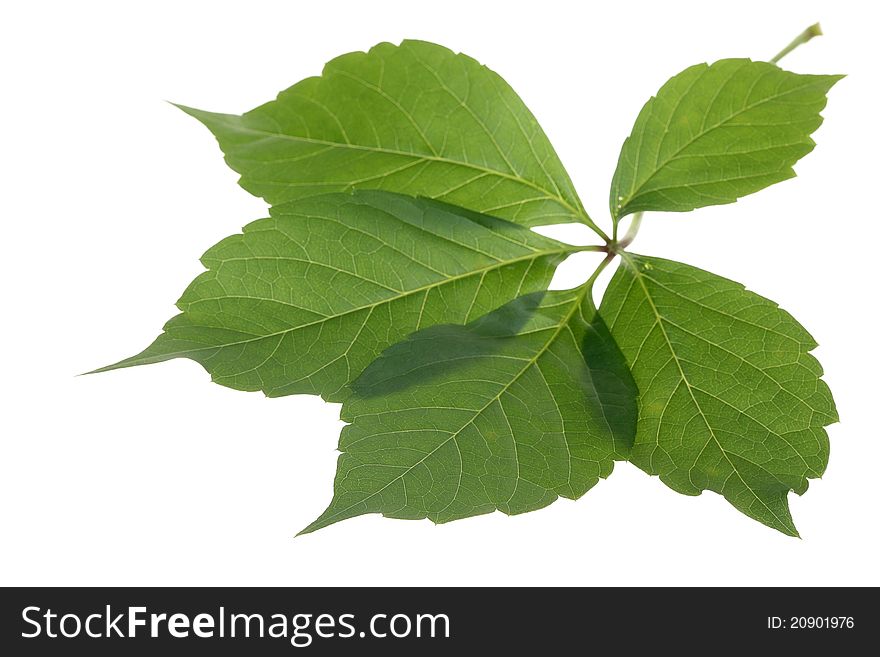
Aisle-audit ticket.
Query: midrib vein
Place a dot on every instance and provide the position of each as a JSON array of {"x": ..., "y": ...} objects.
[
  {"x": 636, "y": 188},
  {"x": 660, "y": 322},
  {"x": 576, "y": 302},
  {"x": 419, "y": 156},
  {"x": 532, "y": 256}
]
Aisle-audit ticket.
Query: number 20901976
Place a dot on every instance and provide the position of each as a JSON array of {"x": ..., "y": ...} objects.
[{"x": 810, "y": 623}]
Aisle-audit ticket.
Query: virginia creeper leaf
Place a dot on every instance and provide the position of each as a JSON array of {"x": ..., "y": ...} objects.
[
  {"x": 303, "y": 301},
  {"x": 398, "y": 275},
  {"x": 714, "y": 133},
  {"x": 416, "y": 119},
  {"x": 524, "y": 405},
  {"x": 731, "y": 400}
]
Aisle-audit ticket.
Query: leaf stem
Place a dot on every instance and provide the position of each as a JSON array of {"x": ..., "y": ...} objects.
[
  {"x": 812, "y": 31},
  {"x": 586, "y": 288},
  {"x": 595, "y": 228},
  {"x": 634, "y": 226},
  {"x": 588, "y": 284},
  {"x": 616, "y": 246}
]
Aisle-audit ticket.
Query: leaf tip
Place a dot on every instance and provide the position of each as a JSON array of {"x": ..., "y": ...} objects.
[
  {"x": 303, "y": 532},
  {"x": 787, "y": 526},
  {"x": 210, "y": 120},
  {"x": 311, "y": 527},
  {"x": 324, "y": 520},
  {"x": 106, "y": 368},
  {"x": 183, "y": 108}
]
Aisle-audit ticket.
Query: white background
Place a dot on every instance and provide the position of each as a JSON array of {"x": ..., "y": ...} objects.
[{"x": 155, "y": 476}]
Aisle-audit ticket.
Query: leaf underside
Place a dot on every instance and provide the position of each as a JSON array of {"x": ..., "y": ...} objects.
[
  {"x": 416, "y": 119},
  {"x": 529, "y": 403},
  {"x": 717, "y": 132},
  {"x": 730, "y": 398}
]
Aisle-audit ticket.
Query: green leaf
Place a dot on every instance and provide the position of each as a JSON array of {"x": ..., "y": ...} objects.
[
  {"x": 398, "y": 275},
  {"x": 528, "y": 403},
  {"x": 730, "y": 398},
  {"x": 303, "y": 301},
  {"x": 714, "y": 133},
  {"x": 416, "y": 119}
]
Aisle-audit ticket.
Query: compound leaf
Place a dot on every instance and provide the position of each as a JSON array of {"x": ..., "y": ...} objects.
[
  {"x": 303, "y": 301},
  {"x": 528, "y": 403},
  {"x": 397, "y": 274},
  {"x": 714, "y": 133},
  {"x": 730, "y": 398},
  {"x": 416, "y": 119}
]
